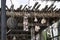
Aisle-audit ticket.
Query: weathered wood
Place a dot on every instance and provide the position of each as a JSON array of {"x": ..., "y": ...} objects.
[
  {"x": 33, "y": 14},
  {"x": 17, "y": 35},
  {"x": 32, "y": 24}
]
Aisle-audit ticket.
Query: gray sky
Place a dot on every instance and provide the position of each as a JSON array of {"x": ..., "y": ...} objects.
[{"x": 17, "y": 3}]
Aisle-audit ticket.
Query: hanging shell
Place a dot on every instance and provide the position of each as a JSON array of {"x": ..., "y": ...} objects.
[{"x": 11, "y": 23}]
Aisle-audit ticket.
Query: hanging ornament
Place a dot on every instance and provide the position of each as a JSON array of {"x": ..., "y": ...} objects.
[
  {"x": 14, "y": 38},
  {"x": 37, "y": 28},
  {"x": 26, "y": 28},
  {"x": 11, "y": 23},
  {"x": 25, "y": 23},
  {"x": 43, "y": 21},
  {"x": 38, "y": 36},
  {"x": 35, "y": 20}
]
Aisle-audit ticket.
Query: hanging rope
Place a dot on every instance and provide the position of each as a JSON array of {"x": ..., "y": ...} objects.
[
  {"x": 11, "y": 2},
  {"x": 12, "y": 9}
]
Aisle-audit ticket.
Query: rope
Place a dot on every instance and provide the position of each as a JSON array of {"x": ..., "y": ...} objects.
[{"x": 12, "y": 7}]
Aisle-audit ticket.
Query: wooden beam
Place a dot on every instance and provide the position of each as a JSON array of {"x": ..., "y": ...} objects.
[
  {"x": 32, "y": 24},
  {"x": 18, "y": 35},
  {"x": 33, "y": 14}
]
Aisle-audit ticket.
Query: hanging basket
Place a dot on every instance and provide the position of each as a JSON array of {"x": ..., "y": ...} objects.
[{"x": 11, "y": 23}]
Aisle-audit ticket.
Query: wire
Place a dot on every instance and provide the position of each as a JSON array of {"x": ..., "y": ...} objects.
[{"x": 11, "y": 2}]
